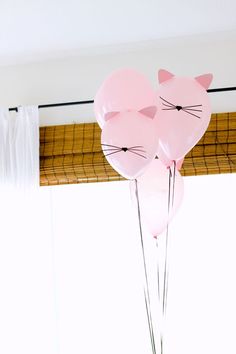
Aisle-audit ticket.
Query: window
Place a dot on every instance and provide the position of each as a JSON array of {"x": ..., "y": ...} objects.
[{"x": 71, "y": 275}]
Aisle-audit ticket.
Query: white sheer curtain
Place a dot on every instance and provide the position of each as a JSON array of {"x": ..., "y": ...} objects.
[
  {"x": 4, "y": 129},
  {"x": 19, "y": 148},
  {"x": 27, "y": 309}
]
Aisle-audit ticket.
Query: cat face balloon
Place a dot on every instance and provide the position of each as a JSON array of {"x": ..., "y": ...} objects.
[
  {"x": 183, "y": 112},
  {"x": 124, "y": 89},
  {"x": 129, "y": 140}
]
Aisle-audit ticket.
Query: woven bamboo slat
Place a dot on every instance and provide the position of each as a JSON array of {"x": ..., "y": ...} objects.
[{"x": 72, "y": 153}]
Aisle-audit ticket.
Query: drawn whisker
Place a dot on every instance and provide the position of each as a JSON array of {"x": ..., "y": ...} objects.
[
  {"x": 192, "y": 114},
  {"x": 138, "y": 150},
  {"x": 171, "y": 104},
  {"x": 196, "y": 105},
  {"x": 142, "y": 150},
  {"x": 194, "y": 110},
  {"x": 112, "y": 149},
  {"x": 139, "y": 146},
  {"x": 166, "y": 105},
  {"x": 169, "y": 109},
  {"x": 133, "y": 152},
  {"x": 114, "y": 146},
  {"x": 111, "y": 153}
]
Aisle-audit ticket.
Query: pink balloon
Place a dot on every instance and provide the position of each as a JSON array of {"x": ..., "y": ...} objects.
[
  {"x": 125, "y": 89},
  {"x": 153, "y": 189},
  {"x": 184, "y": 112},
  {"x": 166, "y": 161},
  {"x": 129, "y": 140}
]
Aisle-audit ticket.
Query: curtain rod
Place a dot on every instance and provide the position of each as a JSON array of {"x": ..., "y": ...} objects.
[
  {"x": 57, "y": 104},
  {"x": 220, "y": 89}
]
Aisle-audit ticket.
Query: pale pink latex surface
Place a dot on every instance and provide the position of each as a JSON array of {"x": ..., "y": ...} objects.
[
  {"x": 179, "y": 131},
  {"x": 124, "y": 89},
  {"x": 167, "y": 162},
  {"x": 153, "y": 188},
  {"x": 130, "y": 129}
]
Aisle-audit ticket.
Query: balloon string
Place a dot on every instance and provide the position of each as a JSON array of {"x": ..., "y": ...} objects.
[
  {"x": 173, "y": 186},
  {"x": 159, "y": 292},
  {"x": 146, "y": 290},
  {"x": 170, "y": 202},
  {"x": 149, "y": 323},
  {"x": 158, "y": 271},
  {"x": 164, "y": 298},
  {"x": 162, "y": 347}
]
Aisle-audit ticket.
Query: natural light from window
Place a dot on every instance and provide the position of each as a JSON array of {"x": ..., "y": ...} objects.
[{"x": 70, "y": 271}]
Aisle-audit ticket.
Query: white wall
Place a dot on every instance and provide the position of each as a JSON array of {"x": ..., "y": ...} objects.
[{"x": 78, "y": 77}]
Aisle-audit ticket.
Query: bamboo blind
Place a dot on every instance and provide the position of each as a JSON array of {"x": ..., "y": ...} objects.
[{"x": 73, "y": 154}]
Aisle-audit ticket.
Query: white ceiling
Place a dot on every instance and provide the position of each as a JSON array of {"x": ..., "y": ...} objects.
[{"x": 46, "y": 28}]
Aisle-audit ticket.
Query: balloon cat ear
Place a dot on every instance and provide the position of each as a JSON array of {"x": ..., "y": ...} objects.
[
  {"x": 204, "y": 80},
  {"x": 164, "y": 75},
  {"x": 110, "y": 115},
  {"x": 149, "y": 112}
]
